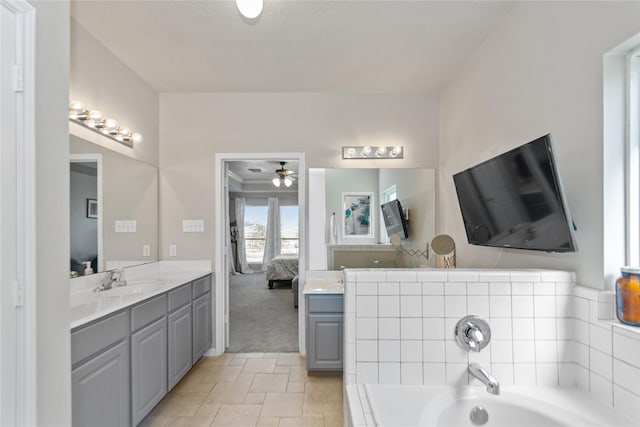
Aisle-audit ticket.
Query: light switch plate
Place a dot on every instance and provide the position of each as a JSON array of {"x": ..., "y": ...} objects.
[
  {"x": 192, "y": 225},
  {"x": 172, "y": 250},
  {"x": 128, "y": 226},
  {"x": 146, "y": 250}
]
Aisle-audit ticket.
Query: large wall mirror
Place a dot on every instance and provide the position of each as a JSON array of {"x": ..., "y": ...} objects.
[
  {"x": 354, "y": 196},
  {"x": 113, "y": 209}
]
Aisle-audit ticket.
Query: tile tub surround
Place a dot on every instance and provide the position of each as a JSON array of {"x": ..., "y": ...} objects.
[
  {"x": 546, "y": 331},
  {"x": 399, "y": 325}
]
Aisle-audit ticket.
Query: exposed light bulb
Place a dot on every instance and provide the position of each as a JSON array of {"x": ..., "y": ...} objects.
[
  {"x": 250, "y": 8},
  {"x": 366, "y": 150},
  {"x": 351, "y": 152},
  {"x": 136, "y": 137},
  {"x": 276, "y": 182},
  {"x": 396, "y": 151},
  {"x": 288, "y": 182},
  {"x": 110, "y": 124},
  {"x": 381, "y": 151},
  {"x": 75, "y": 108}
]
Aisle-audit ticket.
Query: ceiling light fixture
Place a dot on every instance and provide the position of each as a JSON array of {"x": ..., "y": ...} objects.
[
  {"x": 373, "y": 152},
  {"x": 283, "y": 176},
  {"x": 94, "y": 120},
  {"x": 250, "y": 9}
]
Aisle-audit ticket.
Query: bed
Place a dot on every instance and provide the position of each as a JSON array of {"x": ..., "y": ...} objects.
[{"x": 282, "y": 268}]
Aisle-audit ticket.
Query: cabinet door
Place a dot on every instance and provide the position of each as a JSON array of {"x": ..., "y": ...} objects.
[
  {"x": 100, "y": 389},
  {"x": 325, "y": 341},
  {"x": 180, "y": 348},
  {"x": 201, "y": 326},
  {"x": 148, "y": 368}
]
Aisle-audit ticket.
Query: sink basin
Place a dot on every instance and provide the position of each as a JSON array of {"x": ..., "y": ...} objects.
[{"x": 138, "y": 288}]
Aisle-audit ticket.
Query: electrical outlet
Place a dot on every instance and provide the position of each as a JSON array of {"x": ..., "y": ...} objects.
[
  {"x": 146, "y": 250},
  {"x": 172, "y": 250},
  {"x": 192, "y": 225}
]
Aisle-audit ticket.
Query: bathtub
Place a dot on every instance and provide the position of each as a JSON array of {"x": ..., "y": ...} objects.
[{"x": 435, "y": 406}]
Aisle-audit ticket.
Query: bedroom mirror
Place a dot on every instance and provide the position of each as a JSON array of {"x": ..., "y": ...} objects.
[
  {"x": 351, "y": 204},
  {"x": 113, "y": 209}
]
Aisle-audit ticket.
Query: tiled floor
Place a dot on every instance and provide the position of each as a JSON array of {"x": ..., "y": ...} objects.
[{"x": 252, "y": 389}]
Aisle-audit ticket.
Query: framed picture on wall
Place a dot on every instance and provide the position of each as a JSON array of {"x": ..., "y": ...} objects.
[
  {"x": 92, "y": 208},
  {"x": 357, "y": 215}
]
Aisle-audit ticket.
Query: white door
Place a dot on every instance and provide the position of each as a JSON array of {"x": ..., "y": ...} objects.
[{"x": 17, "y": 224}]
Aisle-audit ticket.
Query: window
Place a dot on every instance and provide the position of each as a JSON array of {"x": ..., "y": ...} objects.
[
  {"x": 255, "y": 229},
  {"x": 289, "y": 229}
]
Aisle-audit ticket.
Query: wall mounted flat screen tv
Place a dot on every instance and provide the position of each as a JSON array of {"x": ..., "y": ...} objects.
[
  {"x": 516, "y": 200},
  {"x": 394, "y": 219}
]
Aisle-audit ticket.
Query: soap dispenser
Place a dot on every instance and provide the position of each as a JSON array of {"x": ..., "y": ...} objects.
[{"x": 88, "y": 270}]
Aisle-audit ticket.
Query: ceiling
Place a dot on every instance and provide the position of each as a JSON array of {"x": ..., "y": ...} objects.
[{"x": 294, "y": 46}]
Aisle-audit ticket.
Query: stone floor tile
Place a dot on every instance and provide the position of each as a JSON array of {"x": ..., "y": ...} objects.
[
  {"x": 255, "y": 398},
  {"x": 245, "y": 377},
  {"x": 239, "y": 361},
  {"x": 301, "y": 422},
  {"x": 312, "y": 410},
  {"x": 155, "y": 421},
  {"x": 282, "y": 369},
  {"x": 270, "y": 383},
  {"x": 237, "y": 415},
  {"x": 295, "y": 387},
  {"x": 195, "y": 421},
  {"x": 204, "y": 387},
  {"x": 263, "y": 366},
  {"x": 291, "y": 359},
  {"x": 208, "y": 409},
  {"x": 229, "y": 392},
  {"x": 249, "y": 355},
  {"x": 282, "y": 405},
  {"x": 268, "y": 422}
]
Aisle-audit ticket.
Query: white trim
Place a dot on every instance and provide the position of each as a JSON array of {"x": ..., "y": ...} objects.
[
  {"x": 26, "y": 349},
  {"x": 95, "y": 157},
  {"x": 221, "y": 282}
]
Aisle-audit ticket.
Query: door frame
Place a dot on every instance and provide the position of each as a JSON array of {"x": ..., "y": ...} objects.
[
  {"x": 20, "y": 407},
  {"x": 221, "y": 215}
]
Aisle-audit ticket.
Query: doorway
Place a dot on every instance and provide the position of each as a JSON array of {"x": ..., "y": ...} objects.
[{"x": 239, "y": 295}]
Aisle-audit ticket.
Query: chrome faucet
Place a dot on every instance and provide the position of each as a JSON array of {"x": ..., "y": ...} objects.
[
  {"x": 472, "y": 333},
  {"x": 111, "y": 277},
  {"x": 485, "y": 378}
]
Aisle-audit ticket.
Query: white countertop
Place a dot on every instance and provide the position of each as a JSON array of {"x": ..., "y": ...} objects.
[
  {"x": 143, "y": 282},
  {"x": 324, "y": 282}
]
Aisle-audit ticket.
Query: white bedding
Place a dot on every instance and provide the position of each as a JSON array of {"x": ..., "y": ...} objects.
[{"x": 283, "y": 267}]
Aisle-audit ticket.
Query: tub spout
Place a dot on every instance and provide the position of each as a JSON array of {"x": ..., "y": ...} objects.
[{"x": 485, "y": 378}]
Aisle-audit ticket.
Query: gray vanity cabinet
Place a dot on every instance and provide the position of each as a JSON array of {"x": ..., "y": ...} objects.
[
  {"x": 148, "y": 358},
  {"x": 100, "y": 373},
  {"x": 325, "y": 325},
  {"x": 201, "y": 326},
  {"x": 180, "y": 339}
]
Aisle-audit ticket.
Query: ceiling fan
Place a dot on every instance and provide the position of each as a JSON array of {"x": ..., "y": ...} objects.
[{"x": 283, "y": 176}]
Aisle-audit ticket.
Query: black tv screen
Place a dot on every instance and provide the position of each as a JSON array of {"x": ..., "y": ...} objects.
[
  {"x": 394, "y": 219},
  {"x": 515, "y": 200}
]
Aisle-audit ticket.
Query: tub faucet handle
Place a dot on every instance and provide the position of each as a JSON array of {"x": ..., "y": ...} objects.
[{"x": 472, "y": 333}]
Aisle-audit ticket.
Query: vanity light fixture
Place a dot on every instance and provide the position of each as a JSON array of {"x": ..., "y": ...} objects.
[
  {"x": 372, "y": 152},
  {"x": 94, "y": 120},
  {"x": 250, "y": 9}
]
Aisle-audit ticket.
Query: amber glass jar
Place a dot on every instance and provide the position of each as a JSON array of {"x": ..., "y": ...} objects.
[{"x": 628, "y": 296}]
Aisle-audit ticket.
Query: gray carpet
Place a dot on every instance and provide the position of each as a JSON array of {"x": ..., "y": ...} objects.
[{"x": 261, "y": 319}]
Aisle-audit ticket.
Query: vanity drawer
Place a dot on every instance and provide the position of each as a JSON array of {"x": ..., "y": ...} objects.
[
  {"x": 148, "y": 311},
  {"x": 201, "y": 286},
  {"x": 325, "y": 304},
  {"x": 179, "y": 297},
  {"x": 97, "y": 336}
]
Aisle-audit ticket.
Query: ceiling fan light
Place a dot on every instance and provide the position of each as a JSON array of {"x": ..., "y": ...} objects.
[
  {"x": 250, "y": 8},
  {"x": 288, "y": 182},
  {"x": 276, "y": 182}
]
